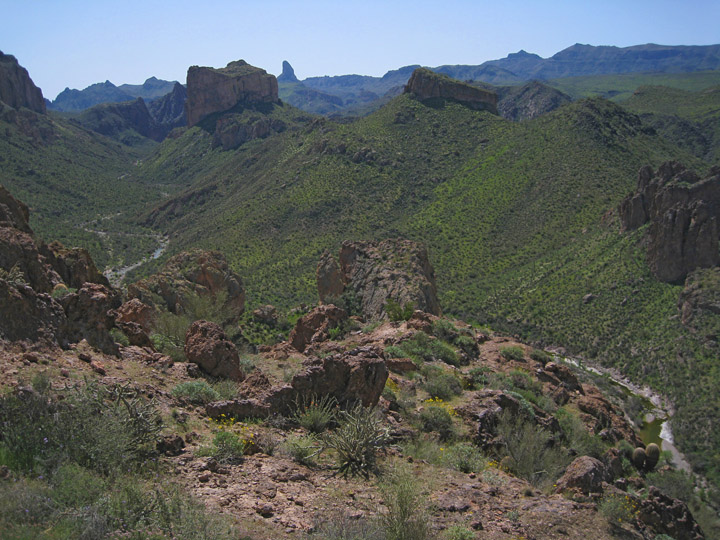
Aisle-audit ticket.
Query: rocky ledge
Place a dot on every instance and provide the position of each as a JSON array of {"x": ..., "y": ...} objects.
[{"x": 427, "y": 85}]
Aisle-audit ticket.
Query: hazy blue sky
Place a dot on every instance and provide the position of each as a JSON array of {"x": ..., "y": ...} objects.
[{"x": 76, "y": 43}]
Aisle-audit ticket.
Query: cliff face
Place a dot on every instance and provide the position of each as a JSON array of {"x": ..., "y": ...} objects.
[
  {"x": 211, "y": 90},
  {"x": 426, "y": 85},
  {"x": 683, "y": 212},
  {"x": 169, "y": 110},
  {"x": 16, "y": 86},
  {"x": 378, "y": 271}
]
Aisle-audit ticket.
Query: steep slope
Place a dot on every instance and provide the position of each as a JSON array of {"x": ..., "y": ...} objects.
[
  {"x": 512, "y": 214},
  {"x": 73, "y": 100}
]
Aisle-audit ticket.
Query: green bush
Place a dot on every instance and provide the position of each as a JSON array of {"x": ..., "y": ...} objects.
[
  {"x": 422, "y": 348},
  {"x": 396, "y": 312},
  {"x": 357, "y": 440},
  {"x": 301, "y": 448},
  {"x": 458, "y": 532},
  {"x": 444, "y": 330},
  {"x": 225, "y": 389},
  {"x": 576, "y": 437},
  {"x": 438, "y": 420},
  {"x": 618, "y": 508},
  {"x": 540, "y": 356},
  {"x": 168, "y": 336},
  {"x": 197, "y": 392},
  {"x": 673, "y": 483},
  {"x": 406, "y": 517},
  {"x": 340, "y": 526},
  {"x": 442, "y": 385},
  {"x": 512, "y": 352},
  {"x": 228, "y": 447},
  {"x": 464, "y": 457},
  {"x": 315, "y": 413},
  {"x": 477, "y": 377},
  {"x": 530, "y": 456}
]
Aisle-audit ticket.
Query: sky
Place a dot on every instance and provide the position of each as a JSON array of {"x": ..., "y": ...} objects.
[{"x": 75, "y": 43}]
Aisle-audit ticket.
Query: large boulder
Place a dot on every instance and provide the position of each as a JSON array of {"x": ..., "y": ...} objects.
[
  {"x": 28, "y": 315},
  {"x": 16, "y": 87},
  {"x": 74, "y": 265},
  {"x": 134, "y": 311},
  {"x": 375, "y": 272},
  {"x": 604, "y": 418},
  {"x": 427, "y": 85},
  {"x": 90, "y": 316},
  {"x": 315, "y": 326},
  {"x": 350, "y": 377},
  {"x": 683, "y": 211},
  {"x": 207, "y": 346},
  {"x": 585, "y": 474},
  {"x": 669, "y": 516},
  {"x": 190, "y": 274},
  {"x": 211, "y": 90}
]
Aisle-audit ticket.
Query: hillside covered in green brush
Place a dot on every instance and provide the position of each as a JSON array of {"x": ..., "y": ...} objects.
[{"x": 520, "y": 218}]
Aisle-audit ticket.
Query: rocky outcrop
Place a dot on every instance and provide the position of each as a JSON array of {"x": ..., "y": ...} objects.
[
  {"x": 189, "y": 274},
  {"x": 699, "y": 304},
  {"x": 13, "y": 213},
  {"x": 288, "y": 73},
  {"x": 74, "y": 265},
  {"x": 350, "y": 377},
  {"x": 314, "y": 326},
  {"x": 585, "y": 474},
  {"x": 213, "y": 90},
  {"x": 28, "y": 315},
  {"x": 16, "y": 87},
  {"x": 89, "y": 316},
  {"x": 603, "y": 418},
  {"x": 374, "y": 272},
  {"x": 207, "y": 346},
  {"x": 669, "y": 516},
  {"x": 427, "y": 85},
  {"x": 169, "y": 111},
  {"x": 530, "y": 101},
  {"x": 233, "y": 130},
  {"x": 683, "y": 212},
  {"x": 114, "y": 119}
]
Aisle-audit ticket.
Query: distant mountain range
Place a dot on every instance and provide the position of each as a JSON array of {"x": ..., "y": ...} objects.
[{"x": 78, "y": 100}]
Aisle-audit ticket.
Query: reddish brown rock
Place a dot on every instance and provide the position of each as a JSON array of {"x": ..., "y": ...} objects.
[
  {"x": 194, "y": 272},
  {"x": 585, "y": 474},
  {"x": 74, "y": 265},
  {"x": 314, "y": 326},
  {"x": 604, "y": 418},
  {"x": 669, "y": 516},
  {"x": 375, "y": 272},
  {"x": 401, "y": 365},
  {"x": 28, "y": 315},
  {"x": 266, "y": 314},
  {"x": 134, "y": 311},
  {"x": 211, "y": 90},
  {"x": 13, "y": 213},
  {"x": 207, "y": 346},
  {"x": 426, "y": 85},
  {"x": 18, "y": 249},
  {"x": 90, "y": 316}
]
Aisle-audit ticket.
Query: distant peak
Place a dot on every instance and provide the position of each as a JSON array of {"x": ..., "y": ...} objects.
[{"x": 288, "y": 73}]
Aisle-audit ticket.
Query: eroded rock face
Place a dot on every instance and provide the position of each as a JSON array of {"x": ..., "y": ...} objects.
[
  {"x": 211, "y": 90},
  {"x": 74, "y": 265},
  {"x": 169, "y": 110},
  {"x": 207, "y": 346},
  {"x": 288, "y": 73},
  {"x": 426, "y": 85},
  {"x": 195, "y": 272},
  {"x": 354, "y": 376},
  {"x": 585, "y": 474},
  {"x": 683, "y": 212},
  {"x": 233, "y": 131},
  {"x": 604, "y": 418},
  {"x": 16, "y": 87},
  {"x": 13, "y": 213},
  {"x": 668, "y": 516},
  {"x": 377, "y": 271},
  {"x": 89, "y": 314},
  {"x": 314, "y": 326},
  {"x": 26, "y": 314}
]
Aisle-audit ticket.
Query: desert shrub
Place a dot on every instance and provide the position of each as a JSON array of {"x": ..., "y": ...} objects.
[
  {"x": 229, "y": 447},
  {"x": 436, "y": 417},
  {"x": 444, "y": 330},
  {"x": 477, "y": 377},
  {"x": 512, "y": 352},
  {"x": 101, "y": 428},
  {"x": 396, "y": 312},
  {"x": 674, "y": 483},
  {"x": 425, "y": 447},
  {"x": 370, "y": 328},
  {"x": 198, "y": 392},
  {"x": 406, "y": 517},
  {"x": 315, "y": 413},
  {"x": 578, "y": 438},
  {"x": 168, "y": 335},
  {"x": 422, "y": 348},
  {"x": 225, "y": 389},
  {"x": 625, "y": 449},
  {"x": 357, "y": 440},
  {"x": 458, "y": 532},
  {"x": 527, "y": 446},
  {"x": 14, "y": 276},
  {"x": 464, "y": 457},
  {"x": 467, "y": 345},
  {"x": 349, "y": 301},
  {"x": 344, "y": 527},
  {"x": 540, "y": 356},
  {"x": 119, "y": 337},
  {"x": 618, "y": 508},
  {"x": 247, "y": 364},
  {"x": 76, "y": 486},
  {"x": 301, "y": 448},
  {"x": 440, "y": 384}
]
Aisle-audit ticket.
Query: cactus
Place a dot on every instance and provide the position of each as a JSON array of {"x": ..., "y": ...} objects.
[
  {"x": 638, "y": 458},
  {"x": 652, "y": 452}
]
